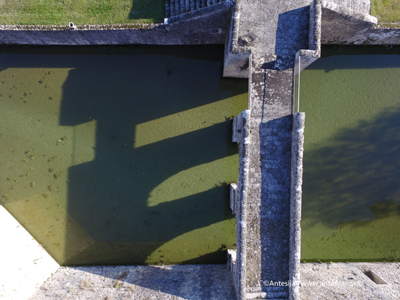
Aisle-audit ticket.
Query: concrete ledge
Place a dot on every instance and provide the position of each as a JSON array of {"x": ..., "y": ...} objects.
[
  {"x": 349, "y": 25},
  {"x": 210, "y": 28},
  {"x": 236, "y": 61},
  {"x": 241, "y": 135},
  {"x": 349, "y": 281},
  {"x": 24, "y": 264},
  {"x": 314, "y": 31},
  {"x": 304, "y": 58},
  {"x": 348, "y": 12},
  {"x": 233, "y": 197},
  {"x": 295, "y": 204},
  {"x": 139, "y": 282}
]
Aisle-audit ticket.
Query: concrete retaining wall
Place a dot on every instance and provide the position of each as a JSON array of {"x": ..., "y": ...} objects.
[
  {"x": 210, "y": 28},
  {"x": 342, "y": 25}
]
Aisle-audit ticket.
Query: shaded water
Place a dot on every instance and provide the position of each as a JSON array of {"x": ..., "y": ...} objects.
[
  {"x": 351, "y": 188},
  {"x": 120, "y": 155}
]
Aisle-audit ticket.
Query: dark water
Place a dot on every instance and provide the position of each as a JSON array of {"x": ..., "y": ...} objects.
[
  {"x": 120, "y": 155},
  {"x": 351, "y": 189}
]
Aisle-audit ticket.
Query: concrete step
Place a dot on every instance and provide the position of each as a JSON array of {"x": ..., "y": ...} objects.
[{"x": 175, "y": 8}]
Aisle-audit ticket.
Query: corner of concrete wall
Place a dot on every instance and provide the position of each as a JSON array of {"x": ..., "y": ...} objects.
[
  {"x": 351, "y": 10},
  {"x": 306, "y": 57},
  {"x": 345, "y": 24},
  {"x": 236, "y": 61},
  {"x": 295, "y": 204}
]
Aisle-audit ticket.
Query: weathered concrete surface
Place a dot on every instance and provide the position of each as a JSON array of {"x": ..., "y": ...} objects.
[
  {"x": 295, "y": 203},
  {"x": 192, "y": 282},
  {"x": 306, "y": 57},
  {"x": 241, "y": 135},
  {"x": 350, "y": 23},
  {"x": 210, "y": 28},
  {"x": 263, "y": 212},
  {"x": 269, "y": 27},
  {"x": 268, "y": 191},
  {"x": 274, "y": 32},
  {"x": 24, "y": 264},
  {"x": 348, "y": 281}
]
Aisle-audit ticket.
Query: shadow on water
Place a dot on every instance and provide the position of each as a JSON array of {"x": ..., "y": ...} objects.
[
  {"x": 351, "y": 57},
  {"x": 148, "y": 140},
  {"x": 110, "y": 196},
  {"x": 352, "y": 187},
  {"x": 356, "y": 172}
]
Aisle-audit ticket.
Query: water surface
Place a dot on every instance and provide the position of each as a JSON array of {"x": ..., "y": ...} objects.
[
  {"x": 351, "y": 188},
  {"x": 120, "y": 155}
]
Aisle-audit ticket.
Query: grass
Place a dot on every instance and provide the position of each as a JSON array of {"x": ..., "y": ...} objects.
[
  {"x": 386, "y": 10},
  {"x": 61, "y": 12}
]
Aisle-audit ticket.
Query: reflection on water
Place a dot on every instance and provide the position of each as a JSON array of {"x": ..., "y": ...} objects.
[
  {"x": 120, "y": 155},
  {"x": 351, "y": 188}
]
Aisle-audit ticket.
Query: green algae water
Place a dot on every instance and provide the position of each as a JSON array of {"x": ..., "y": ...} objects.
[
  {"x": 120, "y": 155},
  {"x": 351, "y": 188}
]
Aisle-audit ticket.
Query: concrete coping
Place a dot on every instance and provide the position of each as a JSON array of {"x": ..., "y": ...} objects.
[{"x": 79, "y": 27}]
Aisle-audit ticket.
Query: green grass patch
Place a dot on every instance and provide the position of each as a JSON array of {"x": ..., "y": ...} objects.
[
  {"x": 386, "y": 10},
  {"x": 61, "y": 12}
]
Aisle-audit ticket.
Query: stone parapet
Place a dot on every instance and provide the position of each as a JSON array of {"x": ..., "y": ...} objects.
[
  {"x": 241, "y": 135},
  {"x": 295, "y": 204}
]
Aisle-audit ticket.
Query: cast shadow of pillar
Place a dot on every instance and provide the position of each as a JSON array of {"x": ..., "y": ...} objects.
[{"x": 108, "y": 197}]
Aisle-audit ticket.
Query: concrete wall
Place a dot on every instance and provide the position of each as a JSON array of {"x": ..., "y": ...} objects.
[
  {"x": 237, "y": 259},
  {"x": 236, "y": 61},
  {"x": 306, "y": 57},
  {"x": 295, "y": 204},
  {"x": 343, "y": 25},
  {"x": 210, "y": 28}
]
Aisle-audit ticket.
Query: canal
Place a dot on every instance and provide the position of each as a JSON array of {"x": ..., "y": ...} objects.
[
  {"x": 120, "y": 155},
  {"x": 351, "y": 188}
]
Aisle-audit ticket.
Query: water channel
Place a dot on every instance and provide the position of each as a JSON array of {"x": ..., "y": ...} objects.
[
  {"x": 120, "y": 155},
  {"x": 351, "y": 188}
]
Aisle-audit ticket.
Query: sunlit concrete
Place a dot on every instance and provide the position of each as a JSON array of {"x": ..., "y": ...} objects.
[{"x": 24, "y": 264}]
